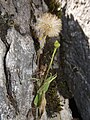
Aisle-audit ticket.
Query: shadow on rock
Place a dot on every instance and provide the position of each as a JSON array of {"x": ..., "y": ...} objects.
[{"x": 73, "y": 80}]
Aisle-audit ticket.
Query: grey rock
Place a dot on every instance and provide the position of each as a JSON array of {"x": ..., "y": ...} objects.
[
  {"x": 17, "y": 85},
  {"x": 17, "y": 57},
  {"x": 19, "y": 61},
  {"x": 75, "y": 52}
]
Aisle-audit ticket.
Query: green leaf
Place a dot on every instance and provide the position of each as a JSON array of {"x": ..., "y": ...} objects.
[
  {"x": 56, "y": 44},
  {"x": 43, "y": 89},
  {"x": 36, "y": 100},
  {"x": 51, "y": 78},
  {"x": 46, "y": 84}
]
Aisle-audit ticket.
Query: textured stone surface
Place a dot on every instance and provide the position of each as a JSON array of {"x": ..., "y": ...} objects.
[
  {"x": 75, "y": 52},
  {"x": 18, "y": 58},
  {"x": 17, "y": 62},
  {"x": 17, "y": 55}
]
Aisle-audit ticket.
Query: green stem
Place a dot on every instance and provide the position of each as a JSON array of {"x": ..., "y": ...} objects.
[{"x": 55, "y": 49}]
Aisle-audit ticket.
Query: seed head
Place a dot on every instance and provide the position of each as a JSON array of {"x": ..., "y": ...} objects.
[{"x": 48, "y": 25}]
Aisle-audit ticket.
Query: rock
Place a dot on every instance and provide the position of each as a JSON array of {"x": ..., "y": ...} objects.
[
  {"x": 75, "y": 52},
  {"x": 19, "y": 61},
  {"x": 17, "y": 57},
  {"x": 2, "y": 54},
  {"x": 65, "y": 113}
]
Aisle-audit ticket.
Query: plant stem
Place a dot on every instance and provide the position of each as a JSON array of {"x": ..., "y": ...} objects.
[{"x": 55, "y": 49}]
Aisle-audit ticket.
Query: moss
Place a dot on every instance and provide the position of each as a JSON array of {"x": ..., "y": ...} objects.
[
  {"x": 47, "y": 52},
  {"x": 53, "y": 7},
  {"x": 64, "y": 89},
  {"x": 53, "y": 101}
]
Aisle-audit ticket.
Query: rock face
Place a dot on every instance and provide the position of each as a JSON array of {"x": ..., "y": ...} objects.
[
  {"x": 17, "y": 60},
  {"x": 75, "y": 52},
  {"x": 18, "y": 56}
]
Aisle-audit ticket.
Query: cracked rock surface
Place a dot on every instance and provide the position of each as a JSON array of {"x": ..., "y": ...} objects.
[
  {"x": 76, "y": 52},
  {"x": 16, "y": 86},
  {"x": 17, "y": 61},
  {"x": 18, "y": 55}
]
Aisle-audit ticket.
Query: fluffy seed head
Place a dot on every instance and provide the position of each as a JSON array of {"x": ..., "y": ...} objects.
[{"x": 48, "y": 25}]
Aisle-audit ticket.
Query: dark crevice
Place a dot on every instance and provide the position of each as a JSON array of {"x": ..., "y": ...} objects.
[
  {"x": 15, "y": 5},
  {"x": 35, "y": 39},
  {"x": 74, "y": 109},
  {"x": 16, "y": 10},
  {"x": 29, "y": 114}
]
